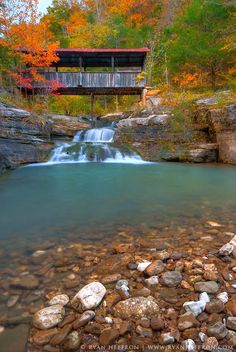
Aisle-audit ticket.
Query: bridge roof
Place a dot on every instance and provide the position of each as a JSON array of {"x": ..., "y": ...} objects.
[{"x": 133, "y": 57}]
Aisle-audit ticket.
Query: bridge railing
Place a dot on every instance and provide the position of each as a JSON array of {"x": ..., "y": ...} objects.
[{"x": 91, "y": 79}]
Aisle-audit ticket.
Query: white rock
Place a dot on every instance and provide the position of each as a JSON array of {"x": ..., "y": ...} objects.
[
  {"x": 152, "y": 281},
  {"x": 196, "y": 307},
  {"x": 204, "y": 297},
  {"x": 167, "y": 338},
  {"x": 1, "y": 329},
  {"x": 233, "y": 241},
  {"x": 49, "y": 317},
  {"x": 189, "y": 345},
  {"x": 202, "y": 336},
  {"x": 38, "y": 253},
  {"x": 108, "y": 320},
  {"x": 90, "y": 295},
  {"x": 226, "y": 249},
  {"x": 234, "y": 269},
  {"x": 121, "y": 283},
  {"x": 223, "y": 296},
  {"x": 59, "y": 299},
  {"x": 143, "y": 266},
  {"x": 214, "y": 224}
]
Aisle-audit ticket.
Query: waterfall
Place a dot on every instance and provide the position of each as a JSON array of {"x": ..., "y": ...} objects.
[{"x": 93, "y": 145}]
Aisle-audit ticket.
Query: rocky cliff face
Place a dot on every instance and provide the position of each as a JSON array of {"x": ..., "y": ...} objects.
[
  {"x": 154, "y": 136},
  {"x": 67, "y": 126},
  {"x": 224, "y": 124},
  {"x": 22, "y": 138}
]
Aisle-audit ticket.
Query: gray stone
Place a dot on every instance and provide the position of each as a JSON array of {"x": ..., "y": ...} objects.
[
  {"x": 171, "y": 278},
  {"x": 217, "y": 330},
  {"x": 206, "y": 286},
  {"x": 231, "y": 323}
]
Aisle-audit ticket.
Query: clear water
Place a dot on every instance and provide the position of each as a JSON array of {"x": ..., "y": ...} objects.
[{"x": 91, "y": 201}]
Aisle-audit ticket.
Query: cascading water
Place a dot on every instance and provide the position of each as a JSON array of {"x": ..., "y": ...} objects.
[{"x": 93, "y": 145}]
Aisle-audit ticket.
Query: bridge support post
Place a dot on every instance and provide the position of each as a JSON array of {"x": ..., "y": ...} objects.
[
  {"x": 143, "y": 97},
  {"x": 92, "y": 103}
]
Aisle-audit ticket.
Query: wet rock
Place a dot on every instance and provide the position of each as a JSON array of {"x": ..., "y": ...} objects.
[
  {"x": 1, "y": 329},
  {"x": 132, "y": 266},
  {"x": 206, "y": 286},
  {"x": 196, "y": 307},
  {"x": 109, "y": 279},
  {"x": 227, "y": 249},
  {"x": 189, "y": 345},
  {"x": 112, "y": 299},
  {"x": 163, "y": 255},
  {"x": 108, "y": 336},
  {"x": 231, "y": 323},
  {"x": 166, "y": 338},
  {"x": 124, "y": 327},
  {"x": 49, "y": 317},
  {"x": 43, "y": 337},
  {"x": 59, "y": 299},
  {"x": 136, "y": 307},
  {"x": 90, "y": 296},
  {"x": 157, "y": 324},
  {"x": 171, "y": 278},
  {"x": 215, "y": 306},
  {"x": 155, "y": 268},
  {"x": 125, "y": 248},
  {"x": 93, "y": 328},
  {"x": 72, "y": 341},
  {"x": 152, "y": 281},
  {"x": 26, "y": 282},
  {"x": 84, "y": 319},
  {"x": 210, "y": 344},
  {"x": 187, "y": 321},
  {"x": 231, "y": 306},
  {"x": 223, "y": 296},
  {"x": 12, "y": 301},
  {"x": 217, "y": 330},
  {"x": 60, "y": 336},
  {"x": 144, "y": 332}
]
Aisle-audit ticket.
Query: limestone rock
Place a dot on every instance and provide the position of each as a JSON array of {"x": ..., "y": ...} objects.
[
  {"x": 136, "y": 307},
  {"x": 196, "y": 307},
  {"x": 90, "y": 296},
  {"x": 49, "y": 317},
  {"x": 59, "y": 299}
]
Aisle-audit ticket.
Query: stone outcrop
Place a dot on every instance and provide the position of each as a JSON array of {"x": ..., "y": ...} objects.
[
  {"x": 67, "y": 126},
  {"x": 23, "y": 139},
  {"x": 224, "y": 124},
  {"x": 153, "y": 135}
]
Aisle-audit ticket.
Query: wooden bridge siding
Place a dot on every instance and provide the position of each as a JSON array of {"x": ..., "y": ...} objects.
[{"x": 92, "y": 79}]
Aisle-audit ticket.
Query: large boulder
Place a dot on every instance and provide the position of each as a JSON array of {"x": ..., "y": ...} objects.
[{"x": 67, "y": 126}]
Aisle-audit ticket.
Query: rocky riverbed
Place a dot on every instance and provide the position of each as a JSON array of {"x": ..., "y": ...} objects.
[{"x": 170, "y": 288}]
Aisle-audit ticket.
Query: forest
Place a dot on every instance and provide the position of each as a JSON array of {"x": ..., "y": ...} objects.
[{"x": 192, "y": 43}]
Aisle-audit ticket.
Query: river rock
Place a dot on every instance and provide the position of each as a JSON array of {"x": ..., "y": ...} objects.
[
  {"x": 231, "y": 306},
  {"x": 210, "y": 344},
  {"x": 214, "y": 306},
  {"x": 223, "y": 296},
  {"x": 49, "y": 317},
  {"x": 217, "y": 330},
  {"x": 42, "y": 337},
  {"x": 187, "y": 321},
  {"x": 12, "y": 301},
  {"x": 72, "y": 341},
  {"x": 60, "y": 336},
  {"x": 231, "y": 323},
  {"x": 136, "y": 307},
  {"x": 152, "y": 281},
  {"x": 155, "y": 268},
  {"x": 171, "y": 278},
  {"x": 166, "y": 339},
  {"x": 196, "y": 307},
  {"x": 204, "y": 297},
  {"x": 26, "y": 282},
  {"x": 84, "y": 319},
  {"x": 59, "y": 299},
  {"x": 157, "y": 324},
  {"x": 227, "y": 249},
  {"x": 108, "y": 336},
  {"x": 90, "y": 296},
  {"x": 189, "y": 345},
  {"x": 206, "y": 286},
  {"x": 109, "y": 279},
  {"x": 142, "y": 266}
]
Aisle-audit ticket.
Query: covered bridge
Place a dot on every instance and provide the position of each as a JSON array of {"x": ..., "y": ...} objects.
[{"x": 96, "y": 72}]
